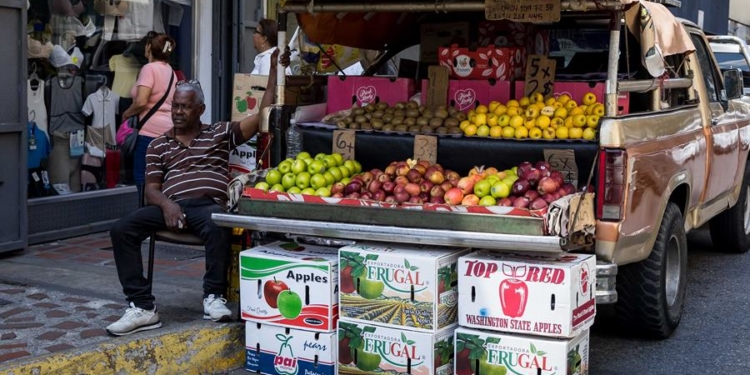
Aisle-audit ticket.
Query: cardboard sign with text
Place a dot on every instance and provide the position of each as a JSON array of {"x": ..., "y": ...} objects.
[
  {"x": 523, "y": 10},
  {"x": 425, "y": 148},
  {"x": 540, "y": 75},
  {"x": 563, "y": 160},
  {"x": 343, "y": 143}
]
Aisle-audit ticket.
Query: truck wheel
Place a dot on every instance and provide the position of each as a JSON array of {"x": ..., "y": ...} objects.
[
  {"x": 730, "y": 230},
  {"x": 651, "y": 293}
]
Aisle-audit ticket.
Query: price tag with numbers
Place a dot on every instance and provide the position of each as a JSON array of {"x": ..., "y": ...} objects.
[
  {"x": 343, "y": 143},
  {"x": 540, "y": 75},
  {"x": 564, "y": 161},
  {"x": 425, "y": 148}
]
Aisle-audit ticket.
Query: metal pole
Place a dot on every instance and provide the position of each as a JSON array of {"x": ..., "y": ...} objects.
[
  {"x": 435, "y": 6},
  {"x": 614, "y": 59},
  {"x": 280, "y": 69}
]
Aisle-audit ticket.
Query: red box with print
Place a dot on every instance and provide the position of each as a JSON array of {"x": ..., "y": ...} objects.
[
  {"x": 482, "y": 63},
  {"x": 344, "y": 91}
]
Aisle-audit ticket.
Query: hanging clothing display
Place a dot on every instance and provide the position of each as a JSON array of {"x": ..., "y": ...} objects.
[
  {"x": 103, "y": 105},
  {"x": 134, "y": 25},
  {"x": 126, "y": 72},
  {"x": 38, "y": 145},
  {"x": 66, "y": 121},
  {"x": 37, "y": 109}
]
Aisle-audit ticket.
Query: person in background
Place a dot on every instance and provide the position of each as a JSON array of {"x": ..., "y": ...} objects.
[
  {"x": 186, "y": 182},
  {"x": 151, "y": 86},
  {"x": 265, "y": 40}
]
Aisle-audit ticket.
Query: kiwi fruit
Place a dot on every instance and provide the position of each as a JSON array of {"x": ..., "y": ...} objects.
[
  {"x": 377, "y": 114},
  {"x": 377, "y": 124},
  {"x": 400, "y": 128},
  {"x": 454, "y": 131},
  {"x": 428, "y": 113},
  {"x": 441, "y": 113},
  {"x": 425, "y": 130},
  {"x": 452, "y": 111},
  {"x": 398, "y": 120},
  {"x": 414, "y": 129},
  {"x": 412, "y": 104},
  {"x": 436, "y": 122},
  {"x": 460, "y": 116},
  {"x": 358, "y": 111},
  {"x": 387, "y": 128},
  {"x": 399, "y": 113},
  {"x": 413, "y": 113},
  {"x": 422, "y": 109},
  {"x": 422, "y": 121},
  {"x": 341, "y": 124},
  {"x": 441, "y": 130},
  {"x": 368, "y": 116},
  {"x": 355, "y": 126},
  {"x": 381, "y": 106},
  {"x": 400, "y": 105},
  {"x": 410, "y": 121},
  {"x": 370, "y": 108},
  {"x": 389, "y": 110},
  {"x": 360, "y": 119},
  {"x": 387, "y": 118},
  {"x": 451, "y": 122},
  {"x": 366, "y": 126}
]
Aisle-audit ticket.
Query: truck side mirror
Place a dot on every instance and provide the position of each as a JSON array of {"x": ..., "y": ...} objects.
[{"x": 733, "y": 83}]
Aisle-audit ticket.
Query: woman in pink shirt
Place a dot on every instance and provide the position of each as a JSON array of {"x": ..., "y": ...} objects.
[{"x": 152, "y": 84}]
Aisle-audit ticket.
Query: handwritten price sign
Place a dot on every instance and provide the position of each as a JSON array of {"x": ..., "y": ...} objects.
[
  {"x": 563, "y": 161},
  {"x": 425, "y": 148},
  {"x": 523, "y": 10},
  {"x": 540, "y": 75},
  {"x": 343, "y": 143}
]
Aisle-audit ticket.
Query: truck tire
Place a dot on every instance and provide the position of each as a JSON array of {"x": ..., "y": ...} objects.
[
  {"x": 651, "y": 293},
  {"x": 730, "y": 230}
]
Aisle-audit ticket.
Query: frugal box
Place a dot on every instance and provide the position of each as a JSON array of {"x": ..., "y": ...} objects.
[
  {"x": 546, "y": 295},
  {"x": 483, "y": 352},
  {"x": 406, "y": 286},
  {"x": 376, "y": 349},
  {"x": 277, "y": 350},
  {"x": 290, "y": 284}
]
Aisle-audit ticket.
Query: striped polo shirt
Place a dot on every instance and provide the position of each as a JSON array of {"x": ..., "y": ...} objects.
[{"x": 200, "y": 169}]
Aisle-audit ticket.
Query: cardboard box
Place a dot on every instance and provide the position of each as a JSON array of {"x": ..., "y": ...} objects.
[
  {"x": 576, "y": 90},
  {"x": 499, "y": 353},
  {"x": 291, "y": 285},
  {"x": 483, "y": 63},
  {"x": 402, "y": 286},
  {"x": 436, "y": 35},
  {"x": 277, "y": 350},
  {"x": 247, "y": 94},
  {"x": 366, "y": 348},
  {"x": 345, "y": 91},
  {"x": 243, "y": 159},
  {"x": 545, "y": 295}
]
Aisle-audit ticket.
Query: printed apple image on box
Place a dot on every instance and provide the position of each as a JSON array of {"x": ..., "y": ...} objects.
[
  {"x": 491, "y": 353},
  {"x": 278, "y": 350},
  {"x": 290, "y": 284},
  {"x": 547, "y": 295},
  {"x": 406, "y": 286},
  {"x": 376, "y": 349}
]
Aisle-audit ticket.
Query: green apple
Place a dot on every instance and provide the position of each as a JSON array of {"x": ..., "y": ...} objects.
[
  {"x": 367, "y": 361},
  {"x": 482, "y": 188},
  {"x": 294, "y": 190},
  {"x": 357, "y": 166},
  {"x": 262, "y": 186},
  {"x": 370, "y": 289},
  {"x": 308, "y": 191},
  {"x": 303, "y": 155},
  {"x": 509, "y": 180},
  {"x": 303, "y": 180},
  {"x": 329, "y": 178},
  {"x": 298, "y": 167},
  {"x": 308, "y": 161},
  {"x": 288, "y": 180},
  {"x": 500, "y": 190},
  {"x": 277, "y": 187},
  {"x": 336, "y": 173},
  {"x": 329, "y": 161},
  {"x": 273, "y": 177},
  {"x": 316, "y": 166},
  {"x": 345, "y": 171},
  {"x": 320, "y": 156},
  {"x": 339, "y": 158},
  {"x": 285, "y": 167},
  {"x": 346, "y": 180},
  {"x": 317, "y": 181},
  {"x": 290, "y": 304},
  {"x": 323, "y": 192},
  {"x": 487, "y": 200},
  {"x": 349, "y": 164},
  {"x": 492, "y": 178}
]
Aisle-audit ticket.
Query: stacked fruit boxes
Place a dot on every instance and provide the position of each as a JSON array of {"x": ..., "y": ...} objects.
[
  {"x": 398, "y": 307},
  {"x": 289, "y": 298},
  {"x": 524, "y": 313}
]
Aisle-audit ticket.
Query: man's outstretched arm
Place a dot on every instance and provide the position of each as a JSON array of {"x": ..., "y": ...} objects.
[{"x": 251, "y": 124}]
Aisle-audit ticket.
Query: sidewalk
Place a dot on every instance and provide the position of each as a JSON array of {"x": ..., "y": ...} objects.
[{"x": 56, "y": 299}]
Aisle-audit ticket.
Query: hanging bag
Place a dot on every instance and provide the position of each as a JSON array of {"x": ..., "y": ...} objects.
[{"x": 129, "y": 138}]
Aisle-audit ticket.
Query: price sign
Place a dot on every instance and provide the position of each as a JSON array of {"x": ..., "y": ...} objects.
[
  {"x": 540, "y": 75},
  {"x": 343, "y": 143},
  {"x": 523, "y": 10},
  {"x": 563, "y": 161},
  {"x": 425, "y": 148}
]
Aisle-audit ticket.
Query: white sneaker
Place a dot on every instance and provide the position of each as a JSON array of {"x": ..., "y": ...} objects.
[
  {"x": 215, "y": 308},
  {"x": 135, "y": 320}
]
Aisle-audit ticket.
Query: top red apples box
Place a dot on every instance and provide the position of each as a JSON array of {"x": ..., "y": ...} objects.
[
  {"x": 545, "y": 295},
  {"x": 290, "y": 285},
  {"x": 345, "y": 91},
  {"x": 483, "y": 63},
  {"x": 406, "y": 286}
]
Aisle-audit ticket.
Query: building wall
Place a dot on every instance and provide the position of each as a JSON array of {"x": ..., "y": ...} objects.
[{"x": 711, "y": 15}]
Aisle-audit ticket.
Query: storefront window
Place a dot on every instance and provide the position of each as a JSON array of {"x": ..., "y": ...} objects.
[{"x": 84, "y": 57}]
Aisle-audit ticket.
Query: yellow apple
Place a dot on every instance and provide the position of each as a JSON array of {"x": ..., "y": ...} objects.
[
  {"x": 521, "y": 132},
  {"x": 589, "y": 98},
  {"x": 561, "y": 113},
  {"x": 491, "y": 119},
  {"x": 503, "y": 120},
  {"x": 516, "y": 121},
  {"x": 548, "y": 111},
  {"x": 524, "y": 101},
  {"x": 564, "y": 98},
  {"x": 512, "y": 103},
  {"x": 500, "y": 110},
  {"x": 548, "y": 133},
  {"x": 482, "y": 108},
  {"x": 556, "y": 123},
  {"x": 561, "y": 133},
  {"x": 535, "y": 133},
  {"x": 470, "y": 130},
  {"x": 568, "y": 122},
  {"x": 592, "y": 121},
  {"x": 483, "y": 131},
  {"x": 575, "y": 133},
  {"x": 551, "y": 101},
  {"x": 575, "y": 111},
  {"x": 509, "y": 132},
  {"x": 492, "y": 106},
  {"x": 529, "y": 122},
  {"x": 514, "y": 110},
  {"x": 532, "y": 112},
  {"x": 542, "y": 121},
  {"x": 579, "y": 121},
  {"x": 496, "y": 132},
  {"x": 589, "y": 134},
  {"x": 599, "y": 109},
  {"x": 480, "y": 119},
  {"x": 536, "y": 98},
  {"x": 570, "y": 104}
]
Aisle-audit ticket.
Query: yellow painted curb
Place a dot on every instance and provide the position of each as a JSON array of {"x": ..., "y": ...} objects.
[{"x": 196, "y": 349}]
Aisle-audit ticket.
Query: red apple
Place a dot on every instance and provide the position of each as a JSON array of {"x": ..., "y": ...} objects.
[
  {"x": 557, "y": 176},
  {"x": 520, "y": 187},
  {"x": 391, "y": 199},
  {"x": 367, "y": 177},
  {"x": 531, "y": 194},
  {"x": 538, "y": 204},
  {"x": 338, "y": 187},
  {"x": 376, "y": 172},
  {"x": 402, "y": 197},
  {"x": 533, "y": 175},
  {"x": 426, "y": 186},
  {"x": 424, "y": 163},
  {"x": 412, "y": 189},
  {"x": 549, "y": 197},
  {"x": 451, "y": 175},
  {"x": 437, "y": 191},
  {"x": 470, "y": 200},
  {"x": 424, "y": 196},
  {"x": 353, "y": 187},
  {"x": 438, "y": 167},
  {"x": 414, "y": 176},
  {"x": 547, "y": 185},
  {"x": 453, "y": 196},
  {"x": 378, "y": 195},
  {"x": 337, "y": 195},
  {"x": 402, "y": 169},
  {"x": 568, "y": 189},
  {"x": 416, "y": 200},
  {"x": 437, "y": 200},
  {"x": 447, "y": 185},
  {"x": 346, "y": 282},
  {"x": 271, "y": 290},
  {"x": 523, "y": 167},
  {"x": 399, "y": 188},
  {"x": 352, "y": 196},
  {"x": 521, "y": 202},
  {"x": 434, "y": 175},
  {"x": 543, "y": 166},
  {"x": 366, "y": 195},
  {"x": 388, "y": 186},
  {"x": 374, "y": 186},
  {"x": 383, "y": 177},
  {"x": 466, "y": 185},
  {"x": 421, "y": 169},
  {"x": 391, "y": 170},
  {"x": 507, "y": 202},
  {"x": 401, "y": 180}
]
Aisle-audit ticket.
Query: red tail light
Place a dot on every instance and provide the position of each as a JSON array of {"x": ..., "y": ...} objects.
[{"x": 610, "y": 196}]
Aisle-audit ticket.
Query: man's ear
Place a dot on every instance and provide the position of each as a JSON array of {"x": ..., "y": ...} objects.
[{"x": 202, "y": 109}]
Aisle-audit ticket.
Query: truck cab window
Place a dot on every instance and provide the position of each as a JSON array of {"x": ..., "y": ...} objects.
[{"x": 709, "y": 73}]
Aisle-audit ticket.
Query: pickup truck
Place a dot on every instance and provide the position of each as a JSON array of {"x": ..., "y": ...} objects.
[
  {"x": 732, "y": 53},
  {"x": 675, "y": 162}
]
